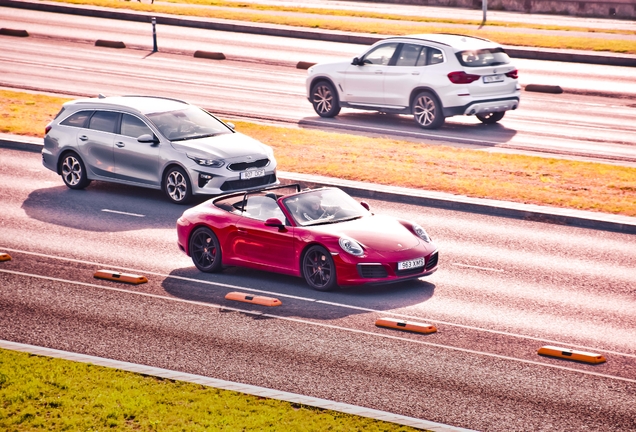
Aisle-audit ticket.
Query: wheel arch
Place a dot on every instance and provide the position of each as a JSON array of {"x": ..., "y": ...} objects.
[
  {"x": 168, "y": 166},
  {"x": 62, "y": 155},
  {"x": 420, "y": 89},
  {"x": 317, "y": 79}
]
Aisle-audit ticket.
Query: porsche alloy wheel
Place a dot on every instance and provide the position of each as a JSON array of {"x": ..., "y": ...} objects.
[
  {"x": 205, "y": 250},
  {"x": 73, "y": 171},
  {"x": 319, "y": 269}
]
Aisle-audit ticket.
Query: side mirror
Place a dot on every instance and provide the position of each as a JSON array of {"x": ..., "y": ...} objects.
[
  {"x": 356, "y": 62},
  {"x": 275, "y": 222},
  {"x": 148, "y": 138},
  {"x": 365, "y": 205},
  {"x": 231, "y": 125}
]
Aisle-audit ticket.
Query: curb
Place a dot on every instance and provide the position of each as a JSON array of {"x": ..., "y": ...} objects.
[
  {"x": 232, "y": 386},
  {"x": 530, "y": 212}
]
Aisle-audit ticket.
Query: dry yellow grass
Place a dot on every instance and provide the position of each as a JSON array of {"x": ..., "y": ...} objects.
[{"x": 544, "y": 181}]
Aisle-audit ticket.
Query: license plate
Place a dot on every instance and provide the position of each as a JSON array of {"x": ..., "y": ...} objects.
[
  {"x": 493, "y": 78},
  {"x": 252, "y": 174},
  {"x": 414, "y": 263}
]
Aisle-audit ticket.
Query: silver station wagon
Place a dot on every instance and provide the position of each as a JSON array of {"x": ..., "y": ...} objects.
[{"x": 154, "y": 142}]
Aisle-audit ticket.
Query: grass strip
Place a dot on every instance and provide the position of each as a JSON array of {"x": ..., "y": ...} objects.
[
  {"x": 504, "y": 38},
  {"x": 510, "y": 177},
  {"x": 60, "y": 395}
]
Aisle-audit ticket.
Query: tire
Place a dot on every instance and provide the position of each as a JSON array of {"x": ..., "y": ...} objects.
[
  {"x": 73, "y": 171},
  {"x": 205, "y": 250},
  {"x": 324, "y": 98},
  {"x": 176, "y": 185},
  {"x": 427, "y": 111},
  {"x": 491, "y": 118},
  {"x": 319, "y": 269}
]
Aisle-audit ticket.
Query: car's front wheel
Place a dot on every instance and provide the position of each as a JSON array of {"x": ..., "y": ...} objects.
[
  {"x": 319, "y": 269},
  {"x": 491, "y": 118},
  {"x": 176, "y": 185},
  {"x": 427, "y": 111},
  {"x": 205, "y": 250},
  {"x": 73, "y": 171},
  {"x": 325, "y": 99}
]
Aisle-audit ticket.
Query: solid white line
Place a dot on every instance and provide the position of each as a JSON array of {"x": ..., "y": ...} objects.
[
  {"x": 331, "y": 326},
  {"x": 342, "y": 305},
  {"x": 477, "y": 267},
  {"x": 123, "y": 213}
]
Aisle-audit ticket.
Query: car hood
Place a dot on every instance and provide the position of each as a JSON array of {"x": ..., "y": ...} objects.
[
  {"x": 340, "y": 66},
  {"x": 226, "y": 146}
]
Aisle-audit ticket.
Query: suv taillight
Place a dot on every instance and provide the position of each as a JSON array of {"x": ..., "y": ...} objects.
[
  {"x": 514, "y": 74},
  {"x": 47, "y": 129},
  {"x": 461, "y": 77}
]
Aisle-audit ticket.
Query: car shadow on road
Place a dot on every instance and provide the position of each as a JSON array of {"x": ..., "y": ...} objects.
[
  {"x": 193, "y": 285},
  {"x": 104, "y": 207}
]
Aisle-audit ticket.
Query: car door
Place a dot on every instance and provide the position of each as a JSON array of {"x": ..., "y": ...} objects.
[
  {"x": 405, "y": 75},
  {"x": 134, "y": 161},
  {"x": 364, "y": 83},
  {"x": 96, "y": 141}
]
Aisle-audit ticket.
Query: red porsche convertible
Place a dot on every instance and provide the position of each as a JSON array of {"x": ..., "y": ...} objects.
[{"x": 322, "y": 235}]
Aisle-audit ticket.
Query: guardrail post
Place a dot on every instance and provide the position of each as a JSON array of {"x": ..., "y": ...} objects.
[{"x": 154, "y": 34}]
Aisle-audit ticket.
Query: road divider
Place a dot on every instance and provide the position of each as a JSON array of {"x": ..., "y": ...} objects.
[
  {"x": 411, "y": 326},
  {"x": 120, "y": 277},
  {"x": 541, "y": 88},
  {"x": 304, "y": 65},
  {"x": 568, "y": 354},
  {"x": 5, "y": 257},
  {"x": 109, "y": 44},
  {"x": 209, "y": 55},
  {"x": 12, "y": 32},
  {"x": 248, "y": 298}
]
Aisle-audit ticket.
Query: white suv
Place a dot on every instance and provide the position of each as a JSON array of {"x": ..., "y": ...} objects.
[{"x": 432, "y": 76}]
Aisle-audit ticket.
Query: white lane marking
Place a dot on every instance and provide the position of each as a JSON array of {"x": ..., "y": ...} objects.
[
  {"x": 477, "y": 267},
  {"x": 331, "y": 326},
  {"x": 123, "y": 213},
  {"x": 342, "y": 305}
]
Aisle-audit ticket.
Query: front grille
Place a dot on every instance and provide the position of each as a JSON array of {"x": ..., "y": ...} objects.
[
  {"x": 233, "y": 185},
  {"x": 432, "y": 261},
  {"x": 242, "y": 166},
  {"x": 372, "y": 271}
]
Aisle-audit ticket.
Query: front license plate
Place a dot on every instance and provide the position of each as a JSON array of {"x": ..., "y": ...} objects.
[
  {"x": 493, "y": 78},
  {"x": 252, "y": 174},
  {"x": 414, "y": 263}
]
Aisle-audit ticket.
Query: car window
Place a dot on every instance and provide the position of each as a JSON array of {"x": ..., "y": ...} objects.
[
  {"x": 380, "y": 55},
  {"x": 78, "y": 119},
  {"x": 409, "y": 55},
  {"x": 262, "y": 207},
  {"x": 133, "y": 126},
  {"x": 323, "y": 206},
  {"x": 435, "y": 56},
  {"x": 188, "y": 123},
  {"x": 104, "y": 121},
  {"x": 483, "y": 57}
]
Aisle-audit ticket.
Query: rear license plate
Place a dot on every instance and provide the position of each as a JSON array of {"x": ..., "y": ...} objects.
[
  {"x": 414, "y": 263},
  {"x": 493, "y": 78},
  {"x": 245, "y": 175}
]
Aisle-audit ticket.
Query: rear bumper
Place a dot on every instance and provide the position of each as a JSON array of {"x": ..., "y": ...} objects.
[{"x": 483, "y": 107}]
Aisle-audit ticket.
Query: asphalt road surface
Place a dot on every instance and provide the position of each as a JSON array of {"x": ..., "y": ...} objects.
[{"x": 504, "y": 288}]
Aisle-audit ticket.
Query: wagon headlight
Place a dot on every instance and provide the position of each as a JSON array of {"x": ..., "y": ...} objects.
[
  {"x": 421, "y": 233},
  {"x": 350, "y": 246},
  {"x": 212, "y": 163}
]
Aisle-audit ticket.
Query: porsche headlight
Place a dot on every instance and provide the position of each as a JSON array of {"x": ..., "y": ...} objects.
[
  {"x": 212, "y": 163},
  {"x": 350, "y": 246},
  {"x": 421, "y": 233}
]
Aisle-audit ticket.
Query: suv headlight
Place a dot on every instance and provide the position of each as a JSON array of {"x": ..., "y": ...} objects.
[
  {"x": 421, "y": 233},
  {"x": 212, "y": 163},
  {"x": 350, "y": 246}
]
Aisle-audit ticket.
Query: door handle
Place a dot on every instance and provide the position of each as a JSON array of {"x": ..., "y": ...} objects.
[
  {"x": 378, "y": 71},
  {"x": 120, "y": 144},
  {"x": 415, "y": 73},
  {"x": 83, "y": 138}
]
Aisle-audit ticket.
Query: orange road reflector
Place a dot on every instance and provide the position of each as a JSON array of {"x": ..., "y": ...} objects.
[
  {"x": 120, "y": 277},
  {"x": 569, "y": 354},
  {"x": 406, "y": 325},
  {"x": 5, "y": 257},
  {"x": 248, "y": 298}
]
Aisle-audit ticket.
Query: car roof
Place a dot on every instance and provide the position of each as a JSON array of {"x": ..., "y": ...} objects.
[
  {"x": 141, "y": 104},
  {"x": 456, "y": 41}
]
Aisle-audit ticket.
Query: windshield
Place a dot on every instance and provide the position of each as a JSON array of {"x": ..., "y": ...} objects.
[
  {"x": 483, "y": 57},
  {"x": 189, "y": 123},
  {"x": 323, "y": 206}
]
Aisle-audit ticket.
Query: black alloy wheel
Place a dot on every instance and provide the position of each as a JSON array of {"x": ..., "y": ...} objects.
[
  {"x": 205, "y": 250},
  {"x": 73, "y": 171},
  {"x": 491, "y": 118},
  {"x": 319, "y": 269},
  {"x": 325, "y": 99}
]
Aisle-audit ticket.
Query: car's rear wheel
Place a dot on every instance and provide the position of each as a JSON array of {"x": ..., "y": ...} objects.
[
  {"x": 427, "y": 111},
  {"x": 325, "y": 99},
  {"x": 73, "y": 171},
  {"x": 205, "y": 250},
  {"x": 491, "y": 118},
  {"x": 319, "y": 269},
  {"x": 176, "y": 185}
]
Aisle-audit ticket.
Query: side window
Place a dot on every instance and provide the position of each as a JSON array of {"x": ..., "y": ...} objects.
[
  {"x": 104, "y": 121},
  {"x": 435, "y": 56},
  {"x": 133, "y": 126},
  {"x": 78, "y": 119},
  {"x": 409, "y": 55},
  {"x": 381, "y": 55},
  {"x": 421, "y": 58}
]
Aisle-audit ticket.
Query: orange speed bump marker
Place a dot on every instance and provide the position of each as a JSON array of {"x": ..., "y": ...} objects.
[
  {"x": 5, "y": 256},
  {"x": 406, "y": 325},
  {"x": 569, "y": 354},
  {"x": 248, "y": 298},
  {"x": 120, "y": 277}
]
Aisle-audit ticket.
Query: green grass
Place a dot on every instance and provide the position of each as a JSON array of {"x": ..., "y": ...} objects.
[
  {"x": 324, "y": 20},
  {"x": 42, "y": 393}
]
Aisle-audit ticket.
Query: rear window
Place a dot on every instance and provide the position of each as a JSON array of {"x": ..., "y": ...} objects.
[{"x": 483, "y": 57}]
